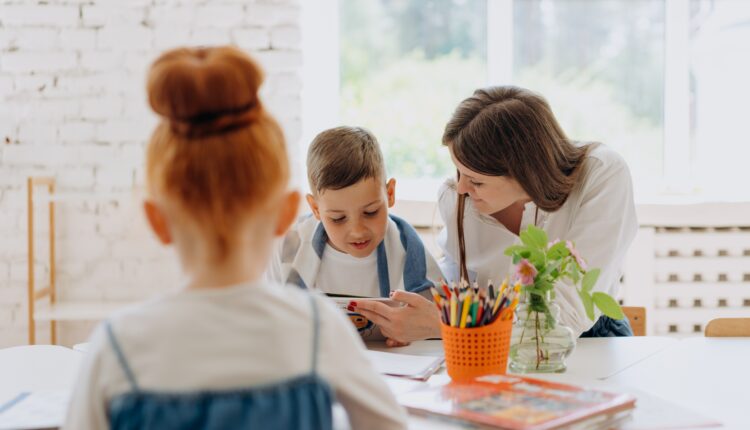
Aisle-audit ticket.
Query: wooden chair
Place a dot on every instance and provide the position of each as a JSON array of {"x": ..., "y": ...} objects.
[
  {"x": 728, "y": 327},
  {"x": 637, "y": 318}
]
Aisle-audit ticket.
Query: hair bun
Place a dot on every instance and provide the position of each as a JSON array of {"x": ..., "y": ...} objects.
[{"x": 203, "y": 91}]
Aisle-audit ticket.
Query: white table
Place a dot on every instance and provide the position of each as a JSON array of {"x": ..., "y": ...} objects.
[
  {"x": 594, "y": 361},
  {"x": 708, "y": 375},
  {"x": 593, "y": 358},
  {"x": 38, "y": 367},
  {"x": 48, "y": 372}
]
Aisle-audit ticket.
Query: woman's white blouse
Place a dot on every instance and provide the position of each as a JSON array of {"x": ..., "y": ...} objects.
[{"x": 598, "y": 216}]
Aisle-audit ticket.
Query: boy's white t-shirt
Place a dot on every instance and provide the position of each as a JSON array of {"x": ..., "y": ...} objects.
[
  {"x": 227, "y": 338},
  {"x": 341, "y": 273}
]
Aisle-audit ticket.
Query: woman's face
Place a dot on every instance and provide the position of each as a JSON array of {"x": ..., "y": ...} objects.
[{"x": 489, "y": 194}]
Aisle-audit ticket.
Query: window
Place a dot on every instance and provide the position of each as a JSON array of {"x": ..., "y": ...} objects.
[
  {"x": 719, "y": 37},
  {"x": 662, "y": 82},
  {"x": 405, "y": 65},
  {"x": 601, "y": 66}
]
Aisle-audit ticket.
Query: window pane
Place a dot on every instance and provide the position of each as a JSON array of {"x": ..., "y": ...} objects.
[
  {"x": 405, "y": 65},
  {"x": 601, "y": 66},
  {"x": 720, "y": 67}
]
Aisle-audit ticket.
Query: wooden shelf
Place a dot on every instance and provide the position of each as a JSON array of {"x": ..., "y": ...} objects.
[{"x": 78, "y": 311}]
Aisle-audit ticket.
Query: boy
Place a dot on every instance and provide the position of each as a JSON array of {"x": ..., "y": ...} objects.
[{"x": 351, "y": 245}]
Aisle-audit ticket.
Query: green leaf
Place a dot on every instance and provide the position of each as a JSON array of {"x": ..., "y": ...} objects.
[
  {"x": 608, "y": 305},
  {"x": 558, "y": 251},
  {"x": 575, "y": 273},
  {"x": 534, "y": 237},
  {"x": 515, "y": 249},
  {"x": 588, "y": 303},
  {"x": 542, "y": 285},
  {"x": 537, "y": 258},
  {"x": 536, "y": 292},
  {"x": 589, "y": 279},
  {"x": 553, "y": 266}
]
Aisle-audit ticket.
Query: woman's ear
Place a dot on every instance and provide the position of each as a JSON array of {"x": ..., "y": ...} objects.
[
  {"x": 390, "y": 189},
  {"x": 157, "y": 221},
  {"x": 288, "y": 213},
  {"x": 313, "y": 206}
]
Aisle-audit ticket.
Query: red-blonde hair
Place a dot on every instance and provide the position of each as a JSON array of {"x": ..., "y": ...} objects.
[{"x": 217, "y": 151}]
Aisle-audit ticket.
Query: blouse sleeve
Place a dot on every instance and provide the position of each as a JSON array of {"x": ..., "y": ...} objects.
[{"x": 602, "y": 230}]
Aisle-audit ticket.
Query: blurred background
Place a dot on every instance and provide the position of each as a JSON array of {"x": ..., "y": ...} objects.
[{"x": 663, "y": 82}]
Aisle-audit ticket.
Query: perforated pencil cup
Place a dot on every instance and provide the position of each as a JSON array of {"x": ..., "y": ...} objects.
[{"x": 476, "y": 351}]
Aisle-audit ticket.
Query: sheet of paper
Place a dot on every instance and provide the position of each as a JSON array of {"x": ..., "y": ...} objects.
[
  {"x": 410, "y": 366},
  {"x": 36, "y": 410}
]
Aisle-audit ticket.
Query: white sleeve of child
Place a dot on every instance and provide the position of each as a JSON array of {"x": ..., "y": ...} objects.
[
  {"x": 368, "y": 401},
  {"x": 88, "y": 407},
  {"x": 274, "y": 272}
]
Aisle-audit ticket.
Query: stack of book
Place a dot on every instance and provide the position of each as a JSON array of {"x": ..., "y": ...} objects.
[{"x": 520, "y": 403}]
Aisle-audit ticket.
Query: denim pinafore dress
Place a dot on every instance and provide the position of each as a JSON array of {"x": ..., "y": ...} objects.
[{"x": 303, "y": 402}]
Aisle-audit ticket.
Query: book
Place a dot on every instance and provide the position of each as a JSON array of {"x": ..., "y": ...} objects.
[
  {"x": 520, "y": 403},
  {"x": 418, "y": 367},
  {"x": 366, "y": 328}
]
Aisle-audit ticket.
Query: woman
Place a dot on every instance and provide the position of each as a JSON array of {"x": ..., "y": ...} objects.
[{"x": 516, "y": 167}]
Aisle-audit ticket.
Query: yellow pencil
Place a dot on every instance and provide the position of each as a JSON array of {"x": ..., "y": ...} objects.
[
  {"x": 499, "y": 296},
  {"x": 466, "y": 306},
  {"x": 435, "y": 296},
  {"x": 507, "y": 313}
]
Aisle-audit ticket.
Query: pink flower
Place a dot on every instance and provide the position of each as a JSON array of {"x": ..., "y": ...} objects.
[
  {"x": 574, "y": 252},
  {"x": 525, "y": 272}
]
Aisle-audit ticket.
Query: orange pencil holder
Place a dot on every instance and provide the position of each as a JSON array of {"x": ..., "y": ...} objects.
[{"x": 477, "y": 351}]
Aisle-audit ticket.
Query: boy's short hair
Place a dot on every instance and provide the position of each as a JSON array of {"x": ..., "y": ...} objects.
[{"x": 342, "y": 156}]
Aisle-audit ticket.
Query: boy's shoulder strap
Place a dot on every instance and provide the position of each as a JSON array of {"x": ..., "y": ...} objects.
[{"x": 415, "y": 264}]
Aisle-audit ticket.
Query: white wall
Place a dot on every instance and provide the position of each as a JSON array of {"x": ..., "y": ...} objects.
[{"x": 72, "y": 106}]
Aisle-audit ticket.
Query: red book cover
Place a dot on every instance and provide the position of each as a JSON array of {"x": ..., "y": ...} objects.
[{"x": 517, "y": 403}]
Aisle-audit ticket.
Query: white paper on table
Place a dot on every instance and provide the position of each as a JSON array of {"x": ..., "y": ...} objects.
[
  {"x": 34, "y": 410},
  {"x": 404, "y": 365}
]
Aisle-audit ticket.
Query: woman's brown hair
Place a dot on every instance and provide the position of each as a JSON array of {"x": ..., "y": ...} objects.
[
  {"x": 216, "y": 151},
  {"x": 511, "y": 131}
]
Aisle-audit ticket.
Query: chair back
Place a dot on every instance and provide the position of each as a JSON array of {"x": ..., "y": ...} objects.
[
  {"x": 728, "y": 327},
  {"x": 637, "y": 317}
]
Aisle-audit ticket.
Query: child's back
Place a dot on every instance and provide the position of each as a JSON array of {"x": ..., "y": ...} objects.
[
  {"x": 230, "y": 341},
  {"x": 228, "y": 350}
]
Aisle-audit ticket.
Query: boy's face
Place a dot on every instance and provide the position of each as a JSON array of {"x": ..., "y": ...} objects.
[{"x": 355, "y": 217}]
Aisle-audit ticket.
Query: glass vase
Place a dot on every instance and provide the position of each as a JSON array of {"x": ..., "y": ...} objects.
[{"x": 539, "y": 343}]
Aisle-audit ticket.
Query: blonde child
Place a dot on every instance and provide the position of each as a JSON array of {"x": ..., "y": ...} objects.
[
  {"x": 351, "y": 245},
  {"x": 228, "y": 350}
]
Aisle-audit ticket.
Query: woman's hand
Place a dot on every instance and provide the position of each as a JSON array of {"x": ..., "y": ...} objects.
[{"x": 418, "y": 319}]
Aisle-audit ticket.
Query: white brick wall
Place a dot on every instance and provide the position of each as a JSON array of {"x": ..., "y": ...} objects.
[{"x": 72, "y": 105}]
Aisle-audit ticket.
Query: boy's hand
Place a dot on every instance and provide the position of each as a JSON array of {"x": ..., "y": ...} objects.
[{"x": 418, "y": 319}]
